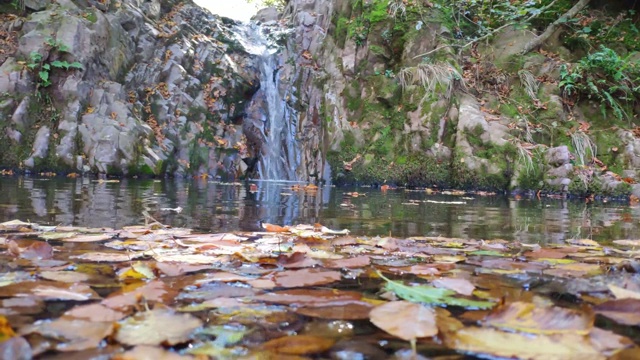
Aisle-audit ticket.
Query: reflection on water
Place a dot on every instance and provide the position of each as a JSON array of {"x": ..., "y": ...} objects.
[{"x": 215, "y": 207}]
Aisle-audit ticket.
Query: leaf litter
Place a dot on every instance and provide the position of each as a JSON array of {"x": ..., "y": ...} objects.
[{"x": 307, "y": 291}]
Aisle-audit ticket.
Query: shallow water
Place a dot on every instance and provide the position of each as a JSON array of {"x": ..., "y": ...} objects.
[{"x": 214, "y": 207}]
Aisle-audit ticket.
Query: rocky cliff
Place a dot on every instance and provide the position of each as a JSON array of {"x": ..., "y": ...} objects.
[
  {"x": 404, "y": 94},
  {"x": 368, "y": 91},
  {"x": 126, "y": 87}
]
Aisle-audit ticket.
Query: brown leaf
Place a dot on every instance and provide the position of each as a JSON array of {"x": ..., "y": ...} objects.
[
  {"x": 155, "y": 327},
  {"x": 75, "y": 334},
  {"x": 306, "y": 277},
  {"x": 625, "y": 311},
  {"x": 50, "y": 290},
  {"x": 526, "y": 317},
  {"x": 309, "y": 297},
  {"x": 64, "y": 276},
  {"x": 16, "y": 348},
  {"x": 95, "y": 312},
  {"x": 299, "y": 345},
  {"x": 177, "y": 269},
  {"x": 405, "y": 320},
  {"x": 152, "y": 291},
  {"x": 297, "y": 260},
  {"x": 355, "y": 310},
  {"x": 354, "y": 262},
  {"x": 459, "y": 285},
  {"x": 145, "y": 352},
  {"x": 37, "y": 250},
  {"x": 608, "y": 342},
  {"x": 496, "y": 343},
  {"x": 274, "y": 228}
]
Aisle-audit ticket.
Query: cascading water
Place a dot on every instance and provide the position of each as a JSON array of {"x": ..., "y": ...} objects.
[{"x": 280, "y": 153}]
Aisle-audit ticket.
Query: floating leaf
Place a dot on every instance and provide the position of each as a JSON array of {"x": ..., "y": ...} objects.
[
  {"x": 144, "y": 352},
  {"x": 95, "y": 312},
  {"x": 496, "y": 343},
  {"x": 306, "y": 277},
  {"x": 309, "y": 297},
  {"x": 528, "y": 317},
  {"x": 6, "y": 332},
  {"x": 625, "y": 311},
  {"x": 621, "y": 293},
  {"x": 405, "y": 320},
  {"x": 75, "y": 334},
  {"x": 354, "y": 310},
  {"x": 299, "y": 345},
  {"x": 433, "y": 295},
  {"x": 459, "y": 285},
  {"x": 156, "y": 327}
]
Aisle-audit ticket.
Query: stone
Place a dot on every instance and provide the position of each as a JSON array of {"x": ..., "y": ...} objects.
[
  {"x": 36, "y": 5},
  {"x": 266, "y": 14},
  {"x": 558, "y": 156}
]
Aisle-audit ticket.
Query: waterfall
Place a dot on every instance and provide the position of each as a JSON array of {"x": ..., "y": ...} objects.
[{"x": 280, "y": 154}]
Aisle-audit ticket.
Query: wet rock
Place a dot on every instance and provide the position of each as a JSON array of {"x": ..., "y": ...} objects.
[
  {"x": 40, "y": 146},
  {"x": 36, "y": 5},
  {"x": 558, "y": 156},
  {"x": 266, "y": 15}
]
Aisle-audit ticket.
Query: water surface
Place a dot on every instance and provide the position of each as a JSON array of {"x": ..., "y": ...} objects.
[{"x": 218, "y": 207}]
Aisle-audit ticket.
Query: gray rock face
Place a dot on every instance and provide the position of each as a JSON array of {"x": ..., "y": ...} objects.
[
  {"x": 162, "y": 89},
  {"x": 36, "y": 5},
  {"x": 266, "y": 15}
]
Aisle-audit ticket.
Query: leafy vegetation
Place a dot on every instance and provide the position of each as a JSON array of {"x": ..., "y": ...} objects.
[
  {"x": 44, "y": 66},
  {"x": 604, "y": 76}
]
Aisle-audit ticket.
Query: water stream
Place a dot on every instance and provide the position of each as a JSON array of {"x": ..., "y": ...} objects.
[{"x": 280, "y": 155}]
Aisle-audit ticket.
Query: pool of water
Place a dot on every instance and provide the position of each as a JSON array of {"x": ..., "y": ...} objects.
[{"x": 217, "y": 207}]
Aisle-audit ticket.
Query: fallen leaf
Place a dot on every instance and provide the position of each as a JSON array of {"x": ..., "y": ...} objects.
[
  {"x": 144, "y": 352},
  {"x": 496, "y": 343},
  {"x": 405, "y": 320},
  {"x": 527, "y": 317},
  {"x": 607, "y": 342},
  {"x": 624, "y": 311},
  {"x": 153, "y": 291},
  {"x": 37, "y": 250},
  {"x": 299, "y": 345},
  {"x": 6, "y": 332},
  {"x": 177, "y": 269},
  {"x": 622, "y": 293},
  {"x": 354, "y": 310},
  {"x": 583, "y": 242},
  {"x": 74, "y": 334},
  {"x": 306, "y": 277},
  {"x": 459, "y": 285},
  {"x": 64, "y": 276},
  {"x": 433, "y": 295},
  {"x": 95, "y": 312},
  {"x": 15, "y": 348},
  {"x": 309, "y": 297},
  {"x": 155, "y": 327}
]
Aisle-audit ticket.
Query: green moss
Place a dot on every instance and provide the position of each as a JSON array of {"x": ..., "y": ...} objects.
[{"x": 378, "y": 11}]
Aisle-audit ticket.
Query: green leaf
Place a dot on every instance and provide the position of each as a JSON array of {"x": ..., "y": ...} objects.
[
  {"x": 76, "y": 65},
  {"x": 60, "y": 64},
  {"x": 433, "y": 295},
  {"x": 44, "y": 76},
  {"x": 487, "y": 253}
]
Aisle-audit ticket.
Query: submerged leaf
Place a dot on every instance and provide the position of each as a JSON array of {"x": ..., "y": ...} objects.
[
  {"x": 405, "y": 320},
  {"x": 156, "y": 327}
]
